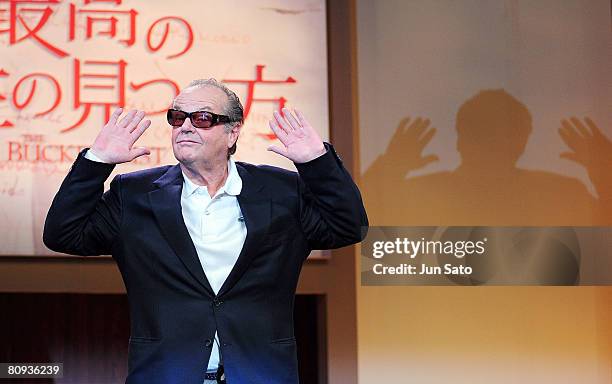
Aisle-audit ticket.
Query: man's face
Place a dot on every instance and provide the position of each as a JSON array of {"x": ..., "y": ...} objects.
[{"x": 197, "y": 145}]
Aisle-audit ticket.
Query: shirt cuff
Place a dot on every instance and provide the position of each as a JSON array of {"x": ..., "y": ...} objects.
[{"x": 90, "y": 156}]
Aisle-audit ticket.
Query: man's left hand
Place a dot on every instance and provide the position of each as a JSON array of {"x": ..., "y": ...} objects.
[{"x": 301, "y": 143}]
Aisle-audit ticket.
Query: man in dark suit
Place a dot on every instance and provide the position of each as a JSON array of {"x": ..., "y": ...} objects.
[{"x": 210, "y": 250}]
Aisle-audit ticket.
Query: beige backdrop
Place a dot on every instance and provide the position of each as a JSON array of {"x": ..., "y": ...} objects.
[{"x": 491, "y": 82}]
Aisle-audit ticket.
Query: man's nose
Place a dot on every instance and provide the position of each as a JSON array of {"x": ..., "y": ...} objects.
[{"x": 187, "y": 126}]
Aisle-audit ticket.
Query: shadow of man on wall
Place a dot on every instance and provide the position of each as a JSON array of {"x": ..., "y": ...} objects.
[{"x": 488, "y": 188}]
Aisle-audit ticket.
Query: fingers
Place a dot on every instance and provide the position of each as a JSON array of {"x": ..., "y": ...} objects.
[
  {"x": 139, "y": 151},
  {"x": 292, "y": 120},
  {"x": 115, "y": 116},
  {"x": 570, "y": 134},
  {"x": 594, "y": 128},
  {"x": 279, "y": 150},
  {"x": 127, "y": 119},
  {"x": 136, "y": 133},
  {"x": 301, "y": 118},
  {"x": 581, "y": 128},
  {"x": 401, "y": 128},
  {"x": 577, "y": 130},
  {"x": 426, "y": 138},
  {"x": 419, "y": 126},
  {"x": 135, "y": 121},
  {"x": 415, "y": 130},
  {"x": 278, "y": 131},
  {"x": 566, "y": 126},
  {"x": 565, "y": 134},
  {"x": 291, "y": 128},
  {"x": 429, "y": 159},
  {"x": 132, "y": 122},
  {"x": 576, "y": 135},
  {"x": 574, "y": 140},
  {"x": 591, "y": 124},
  {"x": 403, "y": 124},
  {"x": 282, "y": 123}
]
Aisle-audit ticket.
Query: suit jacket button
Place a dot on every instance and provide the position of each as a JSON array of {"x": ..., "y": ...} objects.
[
  {"x": 208, "y": 343},
  {"x": 217, "y": 302}
]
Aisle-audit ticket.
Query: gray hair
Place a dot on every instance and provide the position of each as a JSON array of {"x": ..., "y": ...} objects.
[{"x": 233, "y": 108}]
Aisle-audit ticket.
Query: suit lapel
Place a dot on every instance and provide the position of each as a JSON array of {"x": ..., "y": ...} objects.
[
  {"x": 256, "y": 209},
  {"x": 166, "y": 204}
]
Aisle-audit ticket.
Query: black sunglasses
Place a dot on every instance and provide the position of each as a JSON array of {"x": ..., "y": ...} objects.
[{"x": 199, "y": 119}]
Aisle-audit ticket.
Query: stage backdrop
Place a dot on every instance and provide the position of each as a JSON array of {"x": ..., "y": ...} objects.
[
  {"x": 495, "y": 78},
  {"x": 66, "y": 65}
]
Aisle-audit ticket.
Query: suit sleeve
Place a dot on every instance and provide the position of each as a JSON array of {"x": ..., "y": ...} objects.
[
  {"x": 331, "y": 211},
  {"x": 83, "y": 220}
]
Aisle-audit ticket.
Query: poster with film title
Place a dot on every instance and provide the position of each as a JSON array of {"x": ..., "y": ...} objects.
[{"x": 67, "y": 65}]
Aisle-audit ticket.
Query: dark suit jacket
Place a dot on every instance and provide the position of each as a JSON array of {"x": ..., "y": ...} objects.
[{"x": 173, "y": 310}]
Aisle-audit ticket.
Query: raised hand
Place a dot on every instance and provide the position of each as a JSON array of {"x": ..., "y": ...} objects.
[
  {"x": 301, "y": 143},
  {"x": 592, "y": 149},
  {"x": 589, "y": 146},
  {"x": 115, "y": 142},
  {"x": 407, "y": 144}
]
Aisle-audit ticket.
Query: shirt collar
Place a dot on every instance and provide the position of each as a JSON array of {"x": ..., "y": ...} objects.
[{"x": 232, "y": 186}]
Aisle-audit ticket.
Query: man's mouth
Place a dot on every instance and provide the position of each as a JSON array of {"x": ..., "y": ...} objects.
[{"x": 187, "y": 141}]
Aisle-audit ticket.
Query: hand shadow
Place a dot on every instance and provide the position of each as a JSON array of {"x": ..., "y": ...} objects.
[
  {"x": 402, "y": 155},
  {"x": 406, "y": 146},
  {"x": 591, "y": 149},
  {"x": 488, "y": 187}
]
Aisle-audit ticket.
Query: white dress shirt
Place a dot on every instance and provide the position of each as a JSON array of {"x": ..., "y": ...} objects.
[{"x": 217, "y": 229}]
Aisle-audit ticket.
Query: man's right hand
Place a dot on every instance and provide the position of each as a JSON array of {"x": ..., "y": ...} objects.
[{"x": 115, "y": 141}]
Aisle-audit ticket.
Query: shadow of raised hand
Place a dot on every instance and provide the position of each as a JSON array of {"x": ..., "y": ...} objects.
[
  {"x": 385, "y": 178},
  {"x": 404, "y": 152},
  {"x": 591, "y": 149}
]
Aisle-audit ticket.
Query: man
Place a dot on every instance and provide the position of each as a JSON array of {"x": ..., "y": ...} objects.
[{"x": 210, "y": 250}]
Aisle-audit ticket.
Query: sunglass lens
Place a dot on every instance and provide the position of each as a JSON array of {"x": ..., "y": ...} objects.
[
  {"x": 201, "y": 119},
  {"x": 176, "y": 118}
]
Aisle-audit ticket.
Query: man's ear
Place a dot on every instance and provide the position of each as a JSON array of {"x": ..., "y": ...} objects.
[{"x": 233, "y": 135}]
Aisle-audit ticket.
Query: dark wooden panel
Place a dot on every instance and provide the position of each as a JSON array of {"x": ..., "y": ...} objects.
[{"x": 89, "y": 334}]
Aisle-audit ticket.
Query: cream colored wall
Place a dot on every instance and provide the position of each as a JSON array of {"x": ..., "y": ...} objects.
[
  {"x": 424, "y": 58},
  {"x": 485, "y": 335}
]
